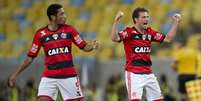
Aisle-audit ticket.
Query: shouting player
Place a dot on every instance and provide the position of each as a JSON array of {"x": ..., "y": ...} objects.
[
  {"x": 60, "y": 73},
  {"x": 137, "y": 45}
]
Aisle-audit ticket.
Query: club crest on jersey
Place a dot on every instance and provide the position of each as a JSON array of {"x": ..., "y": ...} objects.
[
  {"x": 149, "y": 37},
  {"x": 55, "y": 36},
  {"x": 142, "y": 49},
  {"x": 63, "y": 35},
  {"x": 56, "y": 51},
  {"x": 143, "y": 37}
]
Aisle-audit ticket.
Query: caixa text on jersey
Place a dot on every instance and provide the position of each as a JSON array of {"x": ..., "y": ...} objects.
[
  {"x": 59, "y": 50},
  {"x": 141, "y": 49}
]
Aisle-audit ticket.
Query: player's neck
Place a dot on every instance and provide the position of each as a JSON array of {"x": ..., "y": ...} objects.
[
  {"x": 53, "y": 26},
  {"x": 139, "y": 29}
]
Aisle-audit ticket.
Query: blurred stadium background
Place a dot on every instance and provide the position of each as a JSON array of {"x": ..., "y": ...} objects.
[{"x": 100, "y": 71}]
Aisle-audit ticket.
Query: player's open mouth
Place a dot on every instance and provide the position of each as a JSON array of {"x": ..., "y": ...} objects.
[{"x": 145, "y": 23}]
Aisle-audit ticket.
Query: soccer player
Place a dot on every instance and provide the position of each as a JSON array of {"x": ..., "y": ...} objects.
[
  {"x": 137, "y": 45},
  {"x": 60, "y": 73}
]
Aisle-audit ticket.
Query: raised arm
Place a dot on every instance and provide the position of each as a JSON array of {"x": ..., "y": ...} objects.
[
  {"x": 20, "y": 69},
  {"x": 114, "y": 36},
  {"x": 173, "y": 30}
]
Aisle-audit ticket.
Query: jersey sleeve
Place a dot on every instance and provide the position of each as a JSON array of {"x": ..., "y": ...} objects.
[
  {"x": 123, "y": 34},
  {"x": 36, "y": 45},
  {"x": 77, "y": 39},
  {"x": 157, "y": 36}
]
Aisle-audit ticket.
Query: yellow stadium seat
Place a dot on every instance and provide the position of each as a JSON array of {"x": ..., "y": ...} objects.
[
  {"x": 81, "y": 25},
  {"x": 100, "y": 21},
  {"x": 94, "y": 22},
  {"x": 89, "y": 4},
  {"x": 7, "y": 49},
  {"x": 72, "y": 13},
  {"x": 196, "y": 16},
  {"x": 11, "y": 27},
  {"x": 17, "y": 52},
  {"x": 28, "y": 34}
]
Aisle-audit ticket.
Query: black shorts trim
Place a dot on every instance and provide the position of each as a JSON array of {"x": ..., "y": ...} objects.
[
  {"x": 62, "y": 76},
  {"x": 140, "y": 62},
  {"x": 59, "y": 65}
]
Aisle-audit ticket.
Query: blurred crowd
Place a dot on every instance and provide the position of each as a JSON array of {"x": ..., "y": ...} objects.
[
  {"x": 115, "y": 90},
  {"x": 27, "y": 93}
]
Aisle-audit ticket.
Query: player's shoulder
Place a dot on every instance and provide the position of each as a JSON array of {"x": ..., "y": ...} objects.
[
  {"x": 41, "y": 31},
  {"x": 128, "y": 28},
  {"x": 68, "y": 26},
  {"x": 149, "y": 29}
]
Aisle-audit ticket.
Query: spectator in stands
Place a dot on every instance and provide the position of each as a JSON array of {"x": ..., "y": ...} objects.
[
  {"x": 185, "y": 66},
  {"x": 166, "y": 89},
  {"x": 30, "y": 90},
  {"x": 91, "y": 93},
  {"x": 4, "y": 91},
  {"x": 199, "y": 58},
  {"x": 111, "y": 93},
  {"x": 14, "y": 94}
]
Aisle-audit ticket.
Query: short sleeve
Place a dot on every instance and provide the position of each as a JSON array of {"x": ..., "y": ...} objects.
[
  {"x": 36, "y": 45},
  {"x": 124, "y": 34},
  {"x": 157, "y": 36},
  {"x": 77, "y": 39}
]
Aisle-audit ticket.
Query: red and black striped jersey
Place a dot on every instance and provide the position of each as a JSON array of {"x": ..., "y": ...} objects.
[
  {"x": 57, "y": 47},
  {"x": 137, "y": 48}
]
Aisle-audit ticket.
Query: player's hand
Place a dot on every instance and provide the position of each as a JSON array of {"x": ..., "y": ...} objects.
[
  {"x": 11, "y": 81},
  {"x": 177, "y": 17},
  {"x": 95, "y": 44},
  {"x": 119, "y": 15}
]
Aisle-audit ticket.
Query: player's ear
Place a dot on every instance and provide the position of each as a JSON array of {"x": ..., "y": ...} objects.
[
  {"x": 135, "y": 20},
  {"x": 53, "y": 17}
]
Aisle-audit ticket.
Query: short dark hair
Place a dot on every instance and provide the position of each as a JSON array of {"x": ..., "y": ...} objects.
[
  {"x": 137, "y": 11},
  {"x": 53, "y": 10}
]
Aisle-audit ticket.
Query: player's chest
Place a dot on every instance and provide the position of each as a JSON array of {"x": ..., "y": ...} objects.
[
  {"x": 57, "y": 38},
  {"x": 140, "y": 39}
]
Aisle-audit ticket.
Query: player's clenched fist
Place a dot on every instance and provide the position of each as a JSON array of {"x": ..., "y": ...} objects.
[
  {"x": 119, "y": 15},
  {"x": 176, "y": 17},
  {"x": 95, "y": 44}
]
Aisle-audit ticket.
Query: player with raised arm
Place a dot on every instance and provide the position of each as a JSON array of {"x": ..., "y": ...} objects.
[{"x": 137, "y": 45}]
